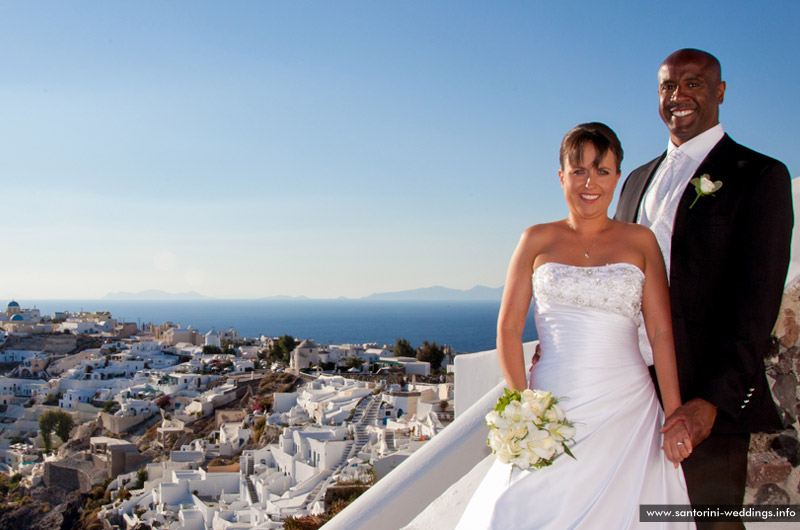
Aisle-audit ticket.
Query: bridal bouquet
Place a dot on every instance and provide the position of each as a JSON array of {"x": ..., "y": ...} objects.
[{"x": 528, "y": 429}]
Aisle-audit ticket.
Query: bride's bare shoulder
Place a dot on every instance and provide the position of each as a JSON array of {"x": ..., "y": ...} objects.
[
  {"x": 641, "y": 238},
  {"x": 544, "y": 229},
  {"x": 541, "y": 234},
  {"x": 634, "y": 231}
]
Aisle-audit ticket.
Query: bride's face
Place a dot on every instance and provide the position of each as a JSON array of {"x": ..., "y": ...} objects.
[{"x": 589, "y": 187}]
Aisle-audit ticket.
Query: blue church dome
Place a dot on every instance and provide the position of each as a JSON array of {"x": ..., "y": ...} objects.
[
  {"x": 12, "y": 303},
  {"x": 17, "y": 318}
]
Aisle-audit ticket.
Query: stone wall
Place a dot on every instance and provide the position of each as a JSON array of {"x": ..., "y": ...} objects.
[
  {"x": 121, "y": 424},
  {"x": 773, "y": 475},
  {"x": 66, "y": 478}
]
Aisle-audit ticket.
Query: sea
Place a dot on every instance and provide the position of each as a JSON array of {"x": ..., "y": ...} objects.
[{"x": 467, "y": 326}]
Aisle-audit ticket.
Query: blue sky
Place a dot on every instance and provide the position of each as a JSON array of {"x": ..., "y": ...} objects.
[{"x": 247, "y": 149}]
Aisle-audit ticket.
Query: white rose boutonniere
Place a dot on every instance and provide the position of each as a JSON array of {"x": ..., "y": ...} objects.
[
  {"x": 704, "y": 186},
  {"x": 528, "y": 429}
]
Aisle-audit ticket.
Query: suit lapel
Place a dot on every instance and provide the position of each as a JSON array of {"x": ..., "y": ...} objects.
[{"x": 641, "y": 184}]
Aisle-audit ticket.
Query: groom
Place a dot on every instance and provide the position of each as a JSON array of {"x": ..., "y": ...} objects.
[{"x": 727, "y": 252}]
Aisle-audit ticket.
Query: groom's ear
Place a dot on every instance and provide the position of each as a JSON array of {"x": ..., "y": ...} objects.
[{"x": 561, "y": 177}]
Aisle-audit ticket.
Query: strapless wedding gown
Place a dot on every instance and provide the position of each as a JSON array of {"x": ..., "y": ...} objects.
[{"x": 587, "y": 319}]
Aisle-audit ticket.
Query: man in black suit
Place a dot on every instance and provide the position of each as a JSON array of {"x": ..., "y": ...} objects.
[{"x": 726, "y": 242}]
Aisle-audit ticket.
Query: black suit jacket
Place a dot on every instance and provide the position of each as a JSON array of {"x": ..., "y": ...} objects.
[{"x": 729, "y": 257}]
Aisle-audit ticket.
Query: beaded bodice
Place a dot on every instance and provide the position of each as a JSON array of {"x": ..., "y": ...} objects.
[{"x": 614, "y": 288}]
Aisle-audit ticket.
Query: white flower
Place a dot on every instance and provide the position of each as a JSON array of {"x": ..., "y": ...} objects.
[
  {"x": 497, "y": 420},
  {"x": 707, "y": 187},
  {"x": 541, "y": 444},
  {"x": 704, "y": 186},
  {"x": 561, "y": 431},
  {"x": 513, "y": 412},
  {"x": 554, "y": 414},
  {"x": 523, "y": 461},
  {"x": 528, "y": 395},
  {"x": 544, "y": 397}
]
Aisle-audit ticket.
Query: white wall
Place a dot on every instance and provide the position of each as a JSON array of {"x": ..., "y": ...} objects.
[
  {"x": 477, "y": 373},
  {"x": 284, "y": 401},
  {"x": 794, "y": 264}
]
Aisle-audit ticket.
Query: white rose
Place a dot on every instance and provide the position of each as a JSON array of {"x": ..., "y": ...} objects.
[
  {"x": 707, "y": 186},
  {"x": 512, "y": 446},
  {"x": 528, "y": 395},
  {"x": 503, "y": 455}
]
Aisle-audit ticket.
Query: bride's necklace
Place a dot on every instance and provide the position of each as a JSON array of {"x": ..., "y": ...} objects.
[{"x": 586, "y": 252}]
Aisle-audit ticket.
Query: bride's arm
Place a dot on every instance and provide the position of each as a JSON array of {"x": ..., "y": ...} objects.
[
  {"x": 677, "y": 443},
  {"x": 514, "y": 311},
  {"x": 658, "y": 322}
]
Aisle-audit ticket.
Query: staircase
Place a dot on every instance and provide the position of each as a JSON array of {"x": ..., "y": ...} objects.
[
  {"x": 316, "y": 494},
  {"x": 366, "y": 414},
  {"x": 345, "y": 456},
  {"x": 388, "y": 436},
  {"x": 251, "y": 490},
  {"x": 371, "y": 414}
]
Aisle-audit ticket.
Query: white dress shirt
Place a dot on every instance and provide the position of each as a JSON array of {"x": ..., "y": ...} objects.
[{"x": 660, "y": 201}]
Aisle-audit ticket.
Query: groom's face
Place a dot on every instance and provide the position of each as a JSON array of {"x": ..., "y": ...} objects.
[{"x": 690, "y": 92}]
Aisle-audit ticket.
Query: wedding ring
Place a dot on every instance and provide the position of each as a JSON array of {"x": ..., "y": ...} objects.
[{"x": 679, "y": 443}]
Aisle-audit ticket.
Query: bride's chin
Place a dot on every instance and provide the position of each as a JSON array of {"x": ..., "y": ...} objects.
[{"x": 585, "y": 213}]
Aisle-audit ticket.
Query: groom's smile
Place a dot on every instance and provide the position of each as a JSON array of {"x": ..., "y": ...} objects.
[{"x": 681, "y": 113}]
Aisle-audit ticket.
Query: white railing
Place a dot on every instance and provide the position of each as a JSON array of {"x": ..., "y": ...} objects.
[{"x": 405, "y": 492}]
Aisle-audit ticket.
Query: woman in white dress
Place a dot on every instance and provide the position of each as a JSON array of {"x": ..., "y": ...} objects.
[{"x": 590, "y": 277}]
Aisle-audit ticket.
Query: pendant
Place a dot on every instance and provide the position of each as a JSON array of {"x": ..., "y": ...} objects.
[{"x": 586, "y": 255}]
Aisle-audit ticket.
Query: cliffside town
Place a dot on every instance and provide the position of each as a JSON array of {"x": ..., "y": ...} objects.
[{"x": 104, "y": 425}]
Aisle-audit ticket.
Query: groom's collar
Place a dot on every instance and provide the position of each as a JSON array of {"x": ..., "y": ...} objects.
[{"x": 698, "y": 147}]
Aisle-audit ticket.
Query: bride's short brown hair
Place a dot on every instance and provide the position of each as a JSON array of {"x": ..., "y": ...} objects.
[{"x": 599, "y": 135}]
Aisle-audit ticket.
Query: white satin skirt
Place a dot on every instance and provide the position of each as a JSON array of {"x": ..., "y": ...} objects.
[{"x": 590, "y": 358}]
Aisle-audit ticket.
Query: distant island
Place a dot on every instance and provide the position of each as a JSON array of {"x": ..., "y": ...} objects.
[
  {"x": 439, "y": 293},
  {"x": 155, "y": 294},
  {"x": 424, "y": 294}
]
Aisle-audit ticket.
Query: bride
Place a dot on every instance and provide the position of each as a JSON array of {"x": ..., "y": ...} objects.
[{"x": 591, "y": 279}]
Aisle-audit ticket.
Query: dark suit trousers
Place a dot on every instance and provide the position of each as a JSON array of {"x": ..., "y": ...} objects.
[{"x": 716, "y": 473}]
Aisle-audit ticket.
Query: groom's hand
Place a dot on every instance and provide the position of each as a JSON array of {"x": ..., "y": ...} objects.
[{"x": 698, "y": 415}]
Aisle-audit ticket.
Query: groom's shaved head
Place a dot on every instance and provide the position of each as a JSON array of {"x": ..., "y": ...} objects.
[{"x": 713, "y": 68}]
